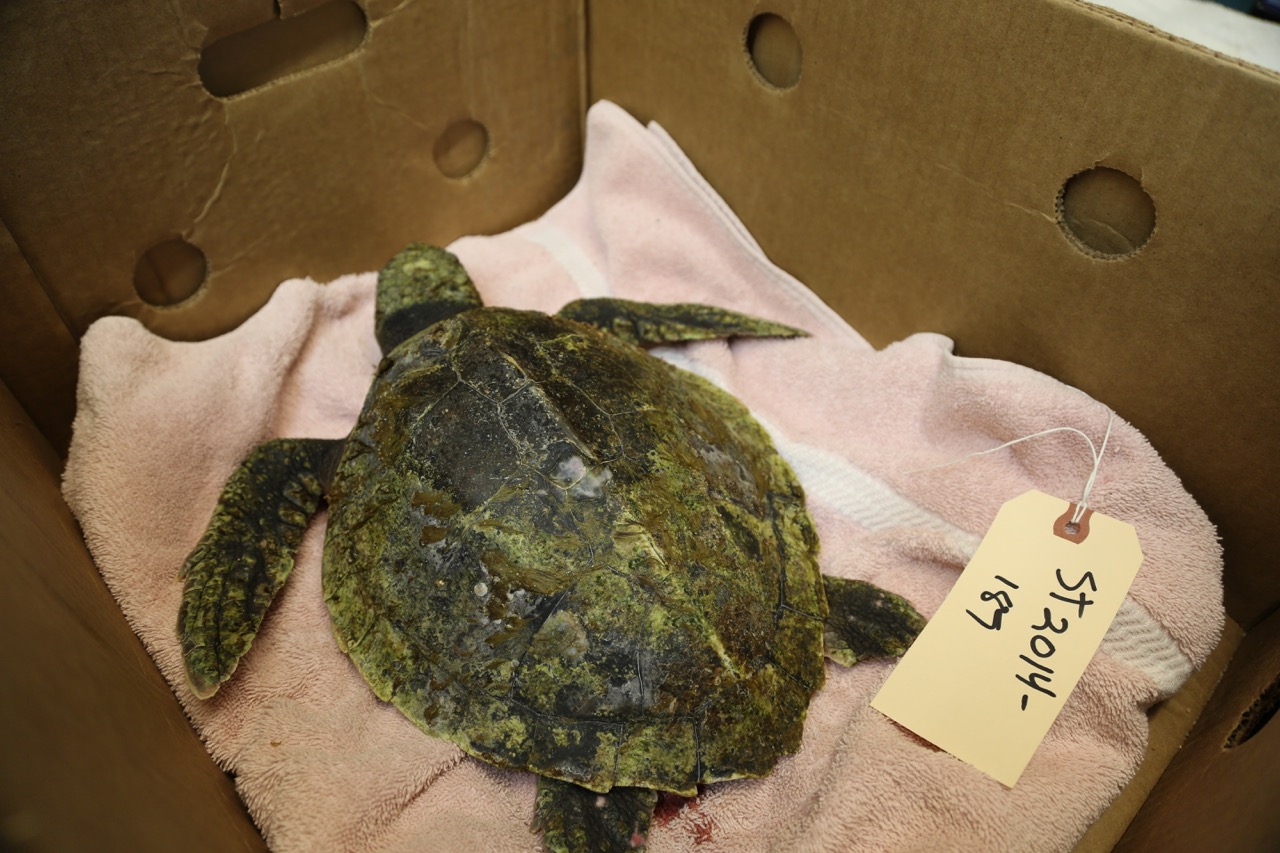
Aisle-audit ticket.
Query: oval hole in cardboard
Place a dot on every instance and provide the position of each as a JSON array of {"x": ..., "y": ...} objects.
[
  {"x": 170, "y": 272},
  {"x": 253, "y": 58},
  {"x": 774, "y": 50},
  {"x": 1106, "y": 213},
  {"x": 461, "y": 148}
]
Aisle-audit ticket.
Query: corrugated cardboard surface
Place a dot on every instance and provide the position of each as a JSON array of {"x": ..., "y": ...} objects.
[
  {"x": 112, "y": 145},
  {"x": 924, "y": 154},
  {"x": 38, "y": 360}
]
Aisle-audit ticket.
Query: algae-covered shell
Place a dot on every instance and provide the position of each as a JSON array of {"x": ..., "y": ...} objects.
[{"x": 568, "y": 556}]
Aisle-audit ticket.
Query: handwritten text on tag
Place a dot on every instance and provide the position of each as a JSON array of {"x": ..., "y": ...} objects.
[{"x": 991, "y": 671}]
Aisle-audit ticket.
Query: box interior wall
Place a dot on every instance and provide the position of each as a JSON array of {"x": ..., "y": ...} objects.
[{"x": 1048, "y": 183}]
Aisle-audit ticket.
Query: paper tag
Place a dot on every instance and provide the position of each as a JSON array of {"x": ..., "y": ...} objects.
[{"x": 988, "y": 675}]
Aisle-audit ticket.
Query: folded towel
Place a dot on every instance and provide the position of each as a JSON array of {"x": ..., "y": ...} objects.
[{"x": 323, "y": 765}]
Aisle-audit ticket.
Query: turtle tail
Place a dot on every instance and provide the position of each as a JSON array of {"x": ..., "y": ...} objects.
[{"x": 247, "y": 553}]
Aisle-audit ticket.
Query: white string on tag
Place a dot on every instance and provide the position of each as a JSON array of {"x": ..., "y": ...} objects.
[{"x": 1094, "y": 450}]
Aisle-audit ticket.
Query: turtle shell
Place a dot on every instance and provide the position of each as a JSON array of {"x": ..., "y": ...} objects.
[{"x": 566, "y": 555}]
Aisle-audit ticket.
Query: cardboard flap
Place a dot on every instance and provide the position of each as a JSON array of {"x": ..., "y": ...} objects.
[
  {"x": 1219, "y": 791},
  {"x": 124, "y": 166},
  {"x": 38, "y": 357},
  {"x": 98, "y": 754},
  {"x": 914, "y": 171}
]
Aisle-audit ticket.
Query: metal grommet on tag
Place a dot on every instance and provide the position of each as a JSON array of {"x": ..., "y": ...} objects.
[{"x": 1069, "y": 528}]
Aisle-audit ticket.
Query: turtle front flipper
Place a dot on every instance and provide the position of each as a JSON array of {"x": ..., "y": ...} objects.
[
  {"x": 418, "y": 287},
  {"x": 865, "y": 621},
  {"x": 247, "y": 552},
  {"x": 573, "y": 819},
  {"x": 649, "y": 324}
]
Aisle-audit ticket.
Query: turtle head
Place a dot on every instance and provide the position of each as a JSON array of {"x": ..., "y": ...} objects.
[{"x": 418, "y": 287}]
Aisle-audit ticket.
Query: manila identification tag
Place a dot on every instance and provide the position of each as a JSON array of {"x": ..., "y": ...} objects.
[{"x": 988, "y": 675}]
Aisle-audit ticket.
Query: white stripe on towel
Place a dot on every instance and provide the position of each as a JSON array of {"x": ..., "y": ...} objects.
[
  {"x": 855, "y": 493},
  {"x": 564, "y": 248},
  {"x": 1136, "y": 639}
]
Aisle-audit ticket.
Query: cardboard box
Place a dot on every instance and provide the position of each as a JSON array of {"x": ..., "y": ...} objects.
[{"x": 915, "y": 167}]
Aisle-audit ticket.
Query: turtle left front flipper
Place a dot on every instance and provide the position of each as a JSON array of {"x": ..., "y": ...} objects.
[
  {"x": 865, "y": 621},
  {"x": 247, "y": 553},
  {"x": 573, "y": 819},
  {"x": 649, "y": 324}
]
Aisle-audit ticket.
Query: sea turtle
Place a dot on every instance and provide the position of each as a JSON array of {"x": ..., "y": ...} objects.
[{"x": 553, "y": 549}]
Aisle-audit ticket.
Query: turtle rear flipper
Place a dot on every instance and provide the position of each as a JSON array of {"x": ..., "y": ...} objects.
[
  {"x": 865, "y": 621},
  {"x": 246, "y": 553},
  {"x": 573, "y": 819},
  {"x": 649, "y": 324}
]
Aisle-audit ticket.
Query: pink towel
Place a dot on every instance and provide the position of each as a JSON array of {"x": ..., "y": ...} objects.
[{"x": 323, "y": 765}]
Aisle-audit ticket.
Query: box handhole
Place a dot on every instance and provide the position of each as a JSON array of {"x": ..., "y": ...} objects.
[
  {"x": 254, "y": 57},
  {"x": 1106, "y": 213},
  {"x": 774, "y": 50},
  {"x": 170, "y": 272},
  {"x": 461, "y": 149},
  {"x": 1256, "y": 716}
]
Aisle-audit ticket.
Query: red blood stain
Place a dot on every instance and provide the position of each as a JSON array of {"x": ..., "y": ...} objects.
[
  {"x": 699, "y": 825},
  {"x": 702, "y": 826},
  {"x": 669, "y": 805}
]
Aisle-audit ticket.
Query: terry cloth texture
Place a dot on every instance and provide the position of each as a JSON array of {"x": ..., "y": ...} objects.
[{"x": 323, "y": 765}]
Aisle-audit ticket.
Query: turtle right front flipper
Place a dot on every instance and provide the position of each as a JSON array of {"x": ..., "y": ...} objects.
[
  {"x": 247, "y": 553},
  {"x": 650, "y": 324}
]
